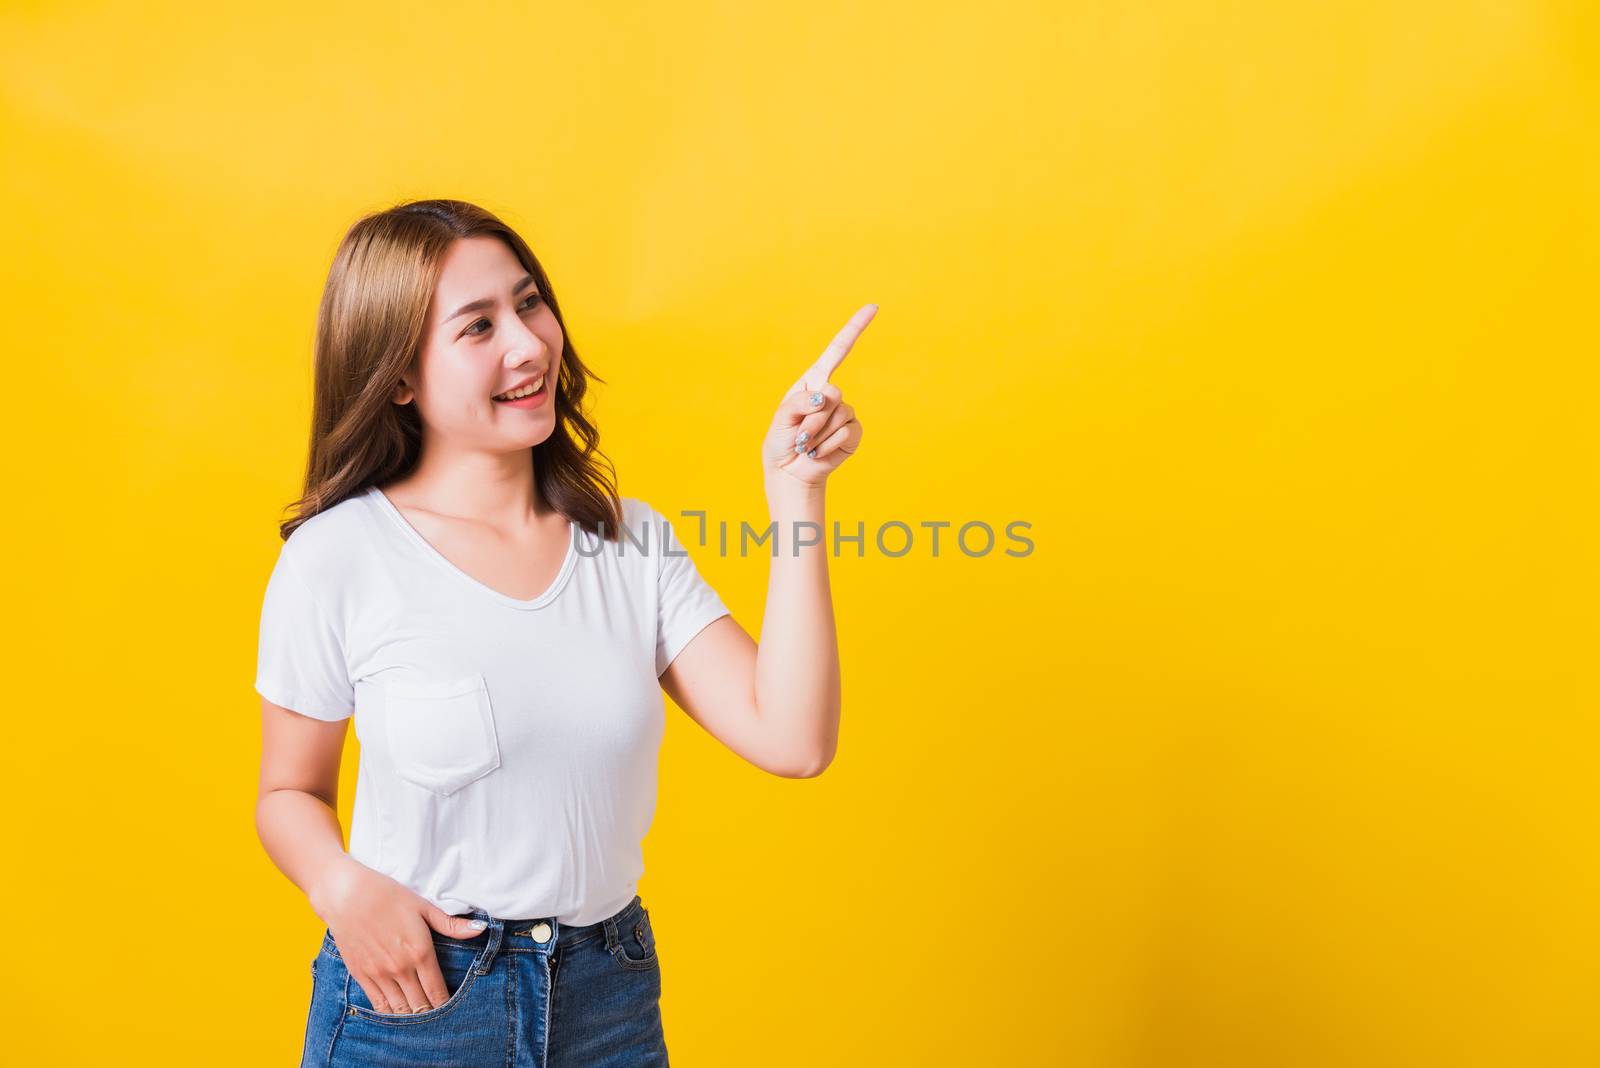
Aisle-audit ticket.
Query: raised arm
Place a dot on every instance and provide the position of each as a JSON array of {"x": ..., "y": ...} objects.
[{"x": 778, "y": 704}]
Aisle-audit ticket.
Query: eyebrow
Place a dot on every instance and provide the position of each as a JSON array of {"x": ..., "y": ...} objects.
[{"x": 486, "y": 302}]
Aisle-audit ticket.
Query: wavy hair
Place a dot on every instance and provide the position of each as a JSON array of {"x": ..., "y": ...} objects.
[{"x": 370, "y": 329}]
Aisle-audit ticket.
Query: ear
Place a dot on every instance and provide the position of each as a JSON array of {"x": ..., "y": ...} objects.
[{"x": 403, "y": 393}]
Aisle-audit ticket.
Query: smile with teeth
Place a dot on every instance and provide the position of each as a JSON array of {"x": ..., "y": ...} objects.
[{"x": 525, "y": 391}]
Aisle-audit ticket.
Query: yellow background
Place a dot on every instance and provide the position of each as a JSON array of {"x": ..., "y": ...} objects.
[{"x": 1279, "y": 750}]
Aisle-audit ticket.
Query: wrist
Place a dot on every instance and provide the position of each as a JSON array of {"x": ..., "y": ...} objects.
[
  {"x": 323, "y": 889},
  {"x": 787, "y": 495}
]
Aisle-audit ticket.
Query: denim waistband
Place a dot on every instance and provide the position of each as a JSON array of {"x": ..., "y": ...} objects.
[{"x": 519, "y": 933}]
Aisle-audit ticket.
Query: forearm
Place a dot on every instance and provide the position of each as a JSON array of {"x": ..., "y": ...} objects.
[
  {"x": 797, "y": 660},
  {"x": 301, "y": 834}
]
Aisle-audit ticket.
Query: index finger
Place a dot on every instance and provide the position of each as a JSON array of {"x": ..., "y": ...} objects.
[{"x": 837, "y": 349}]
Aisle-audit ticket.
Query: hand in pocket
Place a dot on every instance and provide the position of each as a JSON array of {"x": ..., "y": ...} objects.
[{"x": 381, "y": 930}]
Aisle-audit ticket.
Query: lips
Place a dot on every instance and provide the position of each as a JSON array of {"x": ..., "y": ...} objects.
[{"x": 505, "y": 395}]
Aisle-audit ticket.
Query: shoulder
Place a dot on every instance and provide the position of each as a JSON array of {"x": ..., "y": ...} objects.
[
  {"x": 640, "y": 525},
  {"x": 640, "y": 508},
  {"x": 636, "y": 510},
  {"x": 638, "y": 514},
  {"x": 327, "y": 542},
  {"x": 652, "y": 534}
]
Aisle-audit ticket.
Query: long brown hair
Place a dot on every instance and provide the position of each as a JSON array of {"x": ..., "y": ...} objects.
[{"x": 370, "y": 329}]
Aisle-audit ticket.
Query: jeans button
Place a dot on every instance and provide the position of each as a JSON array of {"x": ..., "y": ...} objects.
[{"x": 540, "y": 932}]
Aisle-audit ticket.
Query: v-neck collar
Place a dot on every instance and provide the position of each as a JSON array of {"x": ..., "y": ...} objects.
[{"x": 382, "y": 502}]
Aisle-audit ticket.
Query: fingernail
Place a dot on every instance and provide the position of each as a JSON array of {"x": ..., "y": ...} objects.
[
  {"x": 816, "y": 398},
  {"x": 478, "y": 925},
  {"x": 802, "y": 437}
]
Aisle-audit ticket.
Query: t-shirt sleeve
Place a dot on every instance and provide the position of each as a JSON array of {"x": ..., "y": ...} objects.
[
  {"x": 685, "y": 603},
  {"x": 300, "y": 663}
]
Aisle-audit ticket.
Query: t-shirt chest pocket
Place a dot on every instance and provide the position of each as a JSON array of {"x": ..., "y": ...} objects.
[{"x": 441, "y": 734}]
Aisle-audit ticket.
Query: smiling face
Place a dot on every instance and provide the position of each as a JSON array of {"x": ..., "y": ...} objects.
[{"x": 489, "y": 333}]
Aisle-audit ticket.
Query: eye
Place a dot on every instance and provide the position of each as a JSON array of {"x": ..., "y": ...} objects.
[{"x": 531, "y": 302}]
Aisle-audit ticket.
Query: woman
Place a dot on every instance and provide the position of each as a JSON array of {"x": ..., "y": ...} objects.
[{"x": 461, "y": 579}]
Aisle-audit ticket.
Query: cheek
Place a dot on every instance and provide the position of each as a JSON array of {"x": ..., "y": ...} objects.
[
  {"x": 549, "y": 332},
  {"x": 461, "y": 404}
]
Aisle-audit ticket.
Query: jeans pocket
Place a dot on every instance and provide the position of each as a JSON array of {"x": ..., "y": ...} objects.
[
  {"x": 457, "y": 964},
  {"x": 636, "y": 943}
]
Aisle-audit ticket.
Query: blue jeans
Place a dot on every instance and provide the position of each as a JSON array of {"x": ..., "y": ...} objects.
[{"x": 523, "y": 994}]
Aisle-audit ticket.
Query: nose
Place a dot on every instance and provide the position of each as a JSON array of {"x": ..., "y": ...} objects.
[
  {"x": 531, "y": 350},
  {"x": 526, "y": 345}
]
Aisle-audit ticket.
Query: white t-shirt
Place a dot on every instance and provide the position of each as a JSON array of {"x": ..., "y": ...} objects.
[{"x": 508, "y": 747}]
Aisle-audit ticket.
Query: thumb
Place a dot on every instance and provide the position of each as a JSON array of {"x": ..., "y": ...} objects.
[{"x": 453, "y": 926}]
